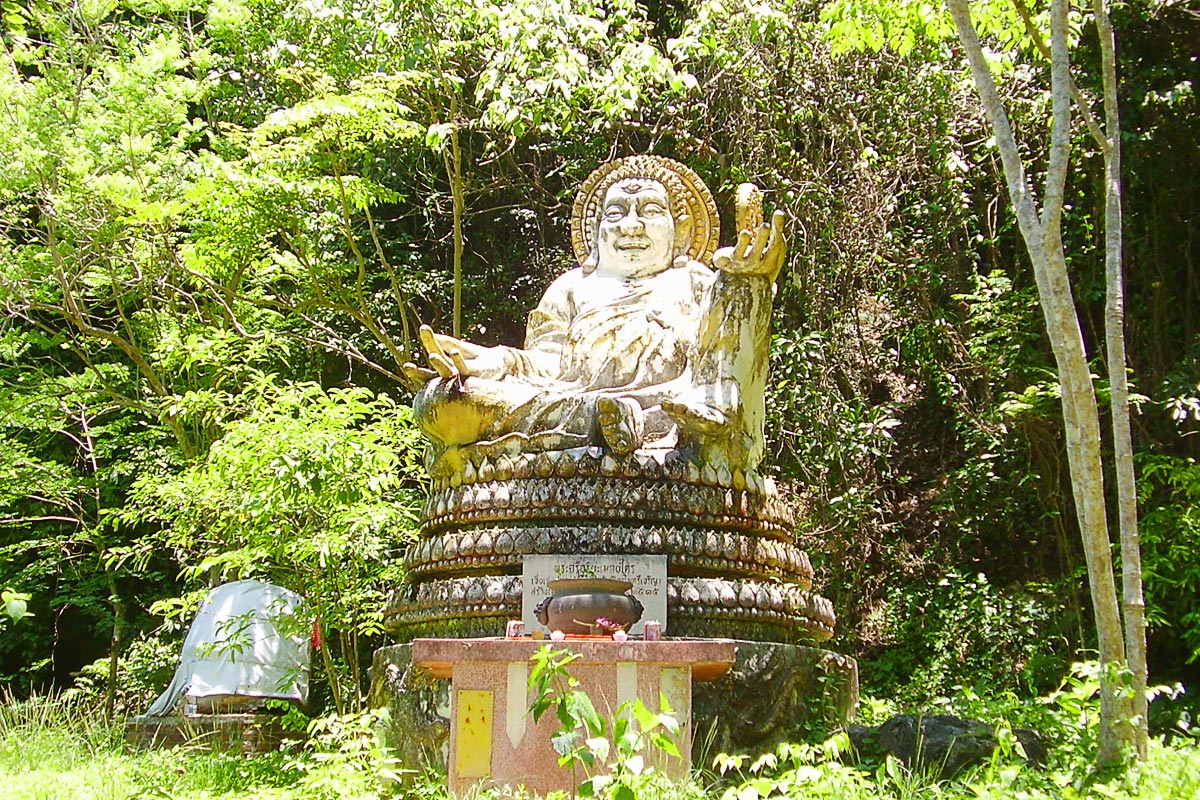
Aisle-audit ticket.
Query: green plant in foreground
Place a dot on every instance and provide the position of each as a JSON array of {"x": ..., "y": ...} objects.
[
  {"x": 795, "y": 770},
  {"x": 50, "y": 729},
  {"x": 345, "y": 756},
  {"x": 16, "y": 605},
  {"x": 1172, "y": 772},
  {"x": 612, "y": 753},
  {"x": 1067, "y": 718},
  {"x": 56, "y": 747}
]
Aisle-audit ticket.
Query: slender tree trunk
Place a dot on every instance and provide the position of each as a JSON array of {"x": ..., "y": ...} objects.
[
  {"x": 452, "y": 159},
  {"x": 1043, "y": 241},
  {"x": 114, "y": 655},
  {"x": 454, "y": 173},
  {"x": 331, "y": 672},
  {"x": 1114, "y": 337}
]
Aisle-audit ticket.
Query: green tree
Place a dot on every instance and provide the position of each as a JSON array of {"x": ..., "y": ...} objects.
[
  {"x": 315, "y": 490},
  {"x": 1042, "y": 231}
]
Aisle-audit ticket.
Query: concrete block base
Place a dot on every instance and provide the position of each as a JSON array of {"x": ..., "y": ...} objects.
[
  {"x": 772, "y": 693},
  {"x": 494, "y": 740}
]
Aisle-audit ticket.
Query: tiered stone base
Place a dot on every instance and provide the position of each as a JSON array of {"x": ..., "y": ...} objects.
[
  {"x": 732, "y": 568},
  {"x": 773, "y": 693},
  {"x": 733, "y": 572},
  {"x": 696, "y": 607}
]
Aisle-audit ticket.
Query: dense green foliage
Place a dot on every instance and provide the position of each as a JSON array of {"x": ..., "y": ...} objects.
[{"x": 223, "y": 219}]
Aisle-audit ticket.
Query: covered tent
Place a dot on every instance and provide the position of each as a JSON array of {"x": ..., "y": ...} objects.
[{"x": 247, "y": 643}]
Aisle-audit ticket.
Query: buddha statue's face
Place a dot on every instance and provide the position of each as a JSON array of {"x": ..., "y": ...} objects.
[{"x": 637, "y": 232}]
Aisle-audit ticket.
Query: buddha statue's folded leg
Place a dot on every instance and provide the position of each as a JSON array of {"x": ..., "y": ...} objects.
[
  {"x": 453, "y": 412},
  {"x": 540, "y": 414},
  {"x": 531, "y": 416},
  {"x": 621, "y": 423}
]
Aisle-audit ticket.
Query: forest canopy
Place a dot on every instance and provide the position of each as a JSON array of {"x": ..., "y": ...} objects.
[{"x": 224, "y": 220}]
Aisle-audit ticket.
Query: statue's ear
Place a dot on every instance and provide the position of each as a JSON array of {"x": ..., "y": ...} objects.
[
  {"x": 684, "y": 224},
  {"x": 590, "y": 263}
]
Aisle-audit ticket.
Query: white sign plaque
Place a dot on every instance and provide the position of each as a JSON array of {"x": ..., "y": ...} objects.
[{"x": 648, "y": 574}]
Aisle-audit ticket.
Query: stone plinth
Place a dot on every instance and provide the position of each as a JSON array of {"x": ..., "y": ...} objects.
[
  {"x": 773, "y": 693},
  {"x": 494, "y": 740},
  {"x": 245, "y": 733}
]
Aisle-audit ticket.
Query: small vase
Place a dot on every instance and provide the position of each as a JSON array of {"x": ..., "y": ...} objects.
[{"x": 576, "y": 603}]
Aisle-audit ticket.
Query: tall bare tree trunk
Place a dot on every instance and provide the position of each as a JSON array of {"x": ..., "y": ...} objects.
[
  {"x": 1043, "y": 241},
  {"x": 1114, "y": 337},
  {"x": 114, "y": 653},
  {"x": 454, "y": 173}
]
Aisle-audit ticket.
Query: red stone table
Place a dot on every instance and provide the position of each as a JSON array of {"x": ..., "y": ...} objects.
[{"x": 493, "y": 738}]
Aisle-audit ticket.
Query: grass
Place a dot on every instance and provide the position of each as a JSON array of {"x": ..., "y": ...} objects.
[
  {"x": 54, "y": 749},
  {"x": 1171, "y": 772}
]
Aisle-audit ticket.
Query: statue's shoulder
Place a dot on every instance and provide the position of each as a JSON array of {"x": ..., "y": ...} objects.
[
  {"x": 561, "y": 291},
  {"x": 699, "y": 274},
  {"x": 565, "y": 284}
]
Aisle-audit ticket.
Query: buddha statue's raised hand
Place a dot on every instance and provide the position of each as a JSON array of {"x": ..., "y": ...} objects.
[{"x": 760, "y": 248}]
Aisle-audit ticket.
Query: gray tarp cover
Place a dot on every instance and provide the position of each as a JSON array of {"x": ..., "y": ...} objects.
[{"x": 246, "y": 640}]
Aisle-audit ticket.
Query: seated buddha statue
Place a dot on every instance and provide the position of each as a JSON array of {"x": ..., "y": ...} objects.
[{"x": 656, "y": 340}]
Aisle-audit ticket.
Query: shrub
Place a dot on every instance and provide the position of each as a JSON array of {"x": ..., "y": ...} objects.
[{"x": 965, "y": 631}]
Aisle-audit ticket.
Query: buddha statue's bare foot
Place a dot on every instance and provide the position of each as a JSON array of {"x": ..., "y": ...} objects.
[
  {"x": 621, "y": 424},
  {"x": 696, "y": 417}
]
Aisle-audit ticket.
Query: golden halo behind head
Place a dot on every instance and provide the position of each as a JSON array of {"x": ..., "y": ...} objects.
[{"x": 689, "y": 196}]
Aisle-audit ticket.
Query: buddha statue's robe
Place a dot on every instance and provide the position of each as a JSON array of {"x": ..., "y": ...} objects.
[{"x": 591, "y": 336}]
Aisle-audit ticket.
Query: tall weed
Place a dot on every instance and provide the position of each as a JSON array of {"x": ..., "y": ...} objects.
[{"x": 51, "y": 729}]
